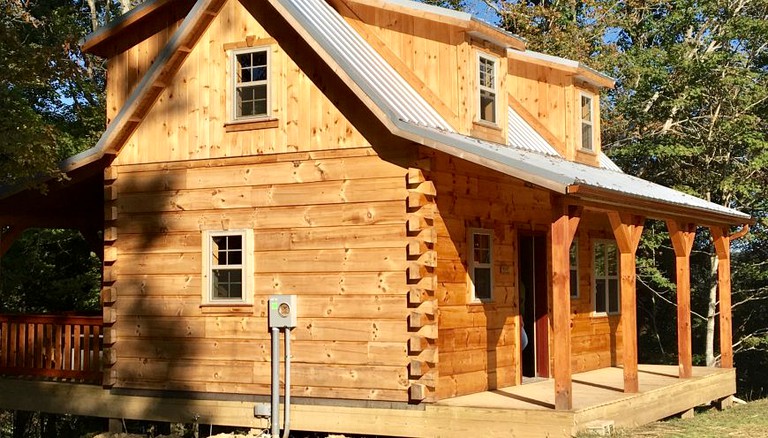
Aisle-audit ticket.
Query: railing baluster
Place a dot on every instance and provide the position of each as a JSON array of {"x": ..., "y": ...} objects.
[
  {"x": 76, "y": 347},
  {"x": 67, "y": 358},
  {"x": 5, "y": 344},
  {"x": 96, "y": 364},
  {"x": 38, "y": 347},
  {"x": 30, "y": 346},
  {"x": 58, "y": 348},
  {"x": 86, "y": 348},
  {"x": 48, "y": 346},
  {"x": 14, "y": 347}
]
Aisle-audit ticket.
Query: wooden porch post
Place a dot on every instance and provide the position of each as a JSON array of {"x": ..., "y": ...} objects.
[
  {"x": 565, "y": 221},
  {"x": 682, "y": 236},
  {"x": 722, "y": 243},
  {"x": 627, "y": 229}
]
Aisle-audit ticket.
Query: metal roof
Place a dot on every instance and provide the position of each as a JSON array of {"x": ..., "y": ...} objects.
[
  {"x": 375, "y": 76},
  {"x": 521, "y": 135},
  {"x": 607, "y": 163},
  {"x": 409, "y": 116},
  {"x": 557, "y": 173}
]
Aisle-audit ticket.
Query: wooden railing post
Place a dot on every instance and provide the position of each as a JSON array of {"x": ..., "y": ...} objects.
[
  {"x": 722, "y": 242},
  {"x": 627, "y": 230},
  {"x": 682, "y": 236}
]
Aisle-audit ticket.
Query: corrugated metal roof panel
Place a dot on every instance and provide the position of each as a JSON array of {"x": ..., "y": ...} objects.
[
  {"x": 377, "y": 79},
  {"x": 607, "y": 163},
  {"x": 521, "y": 135},
  {"x": 556, "y": 173}
]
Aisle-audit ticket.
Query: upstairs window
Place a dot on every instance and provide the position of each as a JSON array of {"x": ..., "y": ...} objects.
[
  {"x": 587, "y": 123},
  {"x": 227, "y": 266},
  {"x": 481, "y": 263},
  {"x": 606, "y": 265},
  {"x": 574, "y": 262},
  {"x": 250, "y": 69},
  {"x": 486, "y": 88}
]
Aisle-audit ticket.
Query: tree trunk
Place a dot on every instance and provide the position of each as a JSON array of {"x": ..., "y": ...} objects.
[
  {"x": 711, "y": 309},
  {"x": 94, "y": 15}
]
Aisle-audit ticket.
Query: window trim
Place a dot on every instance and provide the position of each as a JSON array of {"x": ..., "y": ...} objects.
[
  {"x": 481, "y": 88},
  {"x": 591, "y": 122},
  {"x": 233, "y": 85},
  {"x": 472, "y": 232},
  {"x": 606, "y": 277},
  {"x": 574, "y": 247},
  {"x": 246, "y": 267}
]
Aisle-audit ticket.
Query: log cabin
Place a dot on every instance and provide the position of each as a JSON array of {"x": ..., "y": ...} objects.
[{"x": 430, "y": 190}]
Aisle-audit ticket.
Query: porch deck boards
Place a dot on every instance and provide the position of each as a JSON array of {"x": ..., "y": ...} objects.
[
  {"x": 590, "y": 388},
  {"x": 522, "y": 411}
]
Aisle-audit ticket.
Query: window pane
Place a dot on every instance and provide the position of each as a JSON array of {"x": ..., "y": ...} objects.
[
  {"x": 600, "y": 296},
  {"x": 613, "y": 265},
  {"x": 586, "y": 108},
  {"x": 574, "y": 283},
  {"x": 573, "y": 259},
  {"x": 599, "y": 259},
  {"x": 613, "y": 296},
  {"x": 259, "y": 58},
  {"x": 487, "y": 106},
  {"x": 252, "y": 101},
  {"x": 227, "y": 283},
  {"x": 234, "y": 242},
  {"x": 486, "y": 73},
  {"x": 259, "y": 73},
  {"x": 483, "y": 283},
  {"x": 482, "y": 248},
  {"x": 586, "y": 136}
]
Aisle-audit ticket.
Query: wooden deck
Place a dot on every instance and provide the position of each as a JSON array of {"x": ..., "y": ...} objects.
[{"x": 523, "y": 411}]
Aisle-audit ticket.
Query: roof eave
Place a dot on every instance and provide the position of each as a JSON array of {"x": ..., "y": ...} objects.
[{"x": 657, "y": 209}]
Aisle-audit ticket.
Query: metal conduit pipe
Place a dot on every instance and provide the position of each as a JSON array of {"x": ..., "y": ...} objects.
[
  {"x": 275, "y": 420},
  {"x": 287, "y": 400}
]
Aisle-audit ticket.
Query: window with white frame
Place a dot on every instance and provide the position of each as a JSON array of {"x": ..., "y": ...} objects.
[
  {"x": 587, "y": 123},
  {"x": 227, "y": 266},
  {"x": 481, "y": 263},
  {"x": 574, "y": 263},
  {"x": 487, "y": 90},
  {"x": 250, "y": 86},
  {"x": 606, "y": 267}
]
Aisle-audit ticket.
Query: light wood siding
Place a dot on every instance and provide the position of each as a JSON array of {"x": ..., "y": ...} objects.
[
  {"x": 328, "y": 226},
  {"x": 126, "y": 69},
  {"x": 188, "y": 120},
  {"x": 595, "y": 340},
  {"x": 478, "y": 343}
]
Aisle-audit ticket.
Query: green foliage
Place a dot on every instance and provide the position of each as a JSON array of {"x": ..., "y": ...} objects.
[
  {"x": 53, "y": 104},
  {"x": 689, "y": 111},
  {"x": 49, "y": 271}
]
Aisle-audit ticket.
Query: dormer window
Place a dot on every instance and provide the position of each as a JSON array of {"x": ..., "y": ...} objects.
[
  {"x": 587, "y": 123},
  {"x": 487, "y": 88},
  {"x": 250, "y": 83}
]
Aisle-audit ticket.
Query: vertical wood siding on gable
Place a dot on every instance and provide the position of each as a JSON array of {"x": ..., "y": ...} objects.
[{"x": 188, "y": 120}]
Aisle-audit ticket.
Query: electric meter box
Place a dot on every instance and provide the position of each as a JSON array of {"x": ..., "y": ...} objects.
[{"x": 282, "y": 311}]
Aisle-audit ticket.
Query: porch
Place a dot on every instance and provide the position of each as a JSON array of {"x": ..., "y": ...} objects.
[{"x": 520, "y": 411}]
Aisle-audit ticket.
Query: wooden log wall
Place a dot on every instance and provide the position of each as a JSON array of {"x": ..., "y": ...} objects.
[
  {"x": 109, "y": 275},
  {"x": 478, "y": 343},
  {"x": 329, "y": 226}
]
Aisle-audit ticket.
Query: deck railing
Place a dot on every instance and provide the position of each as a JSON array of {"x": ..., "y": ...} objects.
[{"x": 51, "y": 346}]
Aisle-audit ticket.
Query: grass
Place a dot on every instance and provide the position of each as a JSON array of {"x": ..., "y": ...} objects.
[{"x": 749, "y": 420}]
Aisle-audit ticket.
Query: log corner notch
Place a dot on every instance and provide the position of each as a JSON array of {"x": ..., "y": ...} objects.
[
  {"x": 565, "y": 222},
  {"x": 421, "y": 279},
  {"x": 627, "y": 229},
  {"x": 682, "y": 236},
  {"x": 722, "y": 242},
  {"x": 108, "y": 290}
]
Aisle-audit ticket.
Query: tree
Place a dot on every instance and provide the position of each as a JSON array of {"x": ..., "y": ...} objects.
[{"x": 690, "y": 111}]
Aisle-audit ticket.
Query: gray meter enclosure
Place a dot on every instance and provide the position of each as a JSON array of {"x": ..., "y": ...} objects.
[{"x": 282, "y": 311}]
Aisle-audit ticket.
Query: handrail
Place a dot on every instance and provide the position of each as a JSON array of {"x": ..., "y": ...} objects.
[{"x": 52, "y": 346}]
